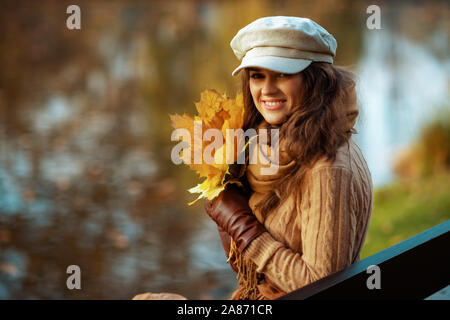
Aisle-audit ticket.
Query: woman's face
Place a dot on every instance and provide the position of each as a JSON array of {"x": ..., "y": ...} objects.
[{"x": 275, "y": 94}]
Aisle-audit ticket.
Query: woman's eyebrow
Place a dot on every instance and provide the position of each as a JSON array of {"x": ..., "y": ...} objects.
[{"x": 254, "y": 69}]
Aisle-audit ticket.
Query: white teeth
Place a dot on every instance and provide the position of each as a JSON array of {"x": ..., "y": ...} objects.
[{"x": 272, "y": 103}]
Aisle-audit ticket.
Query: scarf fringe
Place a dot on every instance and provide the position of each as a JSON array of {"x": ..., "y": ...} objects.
[{"x": 246, "y": 275}]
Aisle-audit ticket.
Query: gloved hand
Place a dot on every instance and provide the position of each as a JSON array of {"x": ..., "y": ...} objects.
[{"x": 231, "y": 212}]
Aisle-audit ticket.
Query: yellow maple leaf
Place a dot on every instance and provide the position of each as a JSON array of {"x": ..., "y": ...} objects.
[
  {"x": 182, "y": 122},
  {"x": 209, "y": 105},
  {"x": 220, "y": 112}
]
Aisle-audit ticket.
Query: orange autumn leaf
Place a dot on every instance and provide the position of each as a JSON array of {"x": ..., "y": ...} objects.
[
  {"x": 209, "y": 105},
  {"x": 184, "y": 121},
  {"x": 215, "y": 111}
]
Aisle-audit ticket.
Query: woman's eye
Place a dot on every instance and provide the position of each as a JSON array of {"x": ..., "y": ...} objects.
[
  {"x": 256, "y": 76},
  {"x": 284, "y": 75}
]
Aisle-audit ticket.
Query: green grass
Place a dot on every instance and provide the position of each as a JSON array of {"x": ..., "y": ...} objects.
[{"x": 404, "y": 209}]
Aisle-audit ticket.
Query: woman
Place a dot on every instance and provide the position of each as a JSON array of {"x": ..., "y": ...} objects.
[{"x": 309, "y": 219}]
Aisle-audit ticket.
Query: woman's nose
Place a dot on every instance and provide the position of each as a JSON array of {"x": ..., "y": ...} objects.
[{"x": 269, "y": 86}]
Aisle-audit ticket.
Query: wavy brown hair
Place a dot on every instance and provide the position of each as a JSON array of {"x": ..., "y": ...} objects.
[{"x": 312, "y": 130}]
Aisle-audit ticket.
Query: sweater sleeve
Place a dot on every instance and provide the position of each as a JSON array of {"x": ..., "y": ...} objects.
[{"x": 328, "y": 234}]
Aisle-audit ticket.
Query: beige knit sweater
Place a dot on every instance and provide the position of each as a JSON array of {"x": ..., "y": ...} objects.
[{"x": 321, "y": 235}]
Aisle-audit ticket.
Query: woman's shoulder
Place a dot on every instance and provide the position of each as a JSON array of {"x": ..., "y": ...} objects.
[
  {"x": 349, "y": 168},
  {"x": 349, "y": 158}
]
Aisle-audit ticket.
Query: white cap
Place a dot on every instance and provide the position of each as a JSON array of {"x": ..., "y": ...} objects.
[{"x": 282, "y": 44}]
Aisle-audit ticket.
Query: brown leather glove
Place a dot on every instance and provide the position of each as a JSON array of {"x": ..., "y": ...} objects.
[{"x": 231, "y": 212}]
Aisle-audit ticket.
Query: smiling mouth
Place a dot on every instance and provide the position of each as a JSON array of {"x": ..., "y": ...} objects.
[{"x": 273, "y": 105}]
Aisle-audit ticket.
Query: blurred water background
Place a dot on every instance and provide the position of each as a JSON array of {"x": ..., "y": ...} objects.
[{"x": 85, "y": 170}]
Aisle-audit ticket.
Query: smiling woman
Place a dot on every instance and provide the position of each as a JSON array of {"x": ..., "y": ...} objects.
[{"x": 310, "y": 218}]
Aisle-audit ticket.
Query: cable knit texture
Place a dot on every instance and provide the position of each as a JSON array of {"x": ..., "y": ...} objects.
[{"x": 321, "y": 235}]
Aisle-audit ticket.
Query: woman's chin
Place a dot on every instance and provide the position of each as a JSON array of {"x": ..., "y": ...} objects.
[{"x": 274, "y": 120}]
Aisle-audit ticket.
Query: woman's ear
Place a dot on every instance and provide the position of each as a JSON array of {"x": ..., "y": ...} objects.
[
  {"x": 351, "y": 110},
  {"x": 351, "y": 120}
]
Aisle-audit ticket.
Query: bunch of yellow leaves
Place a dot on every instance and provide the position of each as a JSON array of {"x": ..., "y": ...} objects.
[{"x": 215, "y": 111}]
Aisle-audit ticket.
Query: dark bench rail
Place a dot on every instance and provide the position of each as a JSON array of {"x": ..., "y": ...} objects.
[{"x": 412, "y": 269}]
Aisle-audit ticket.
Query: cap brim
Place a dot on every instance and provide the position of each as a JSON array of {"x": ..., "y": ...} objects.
[{"x": 277, "y": 64}]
